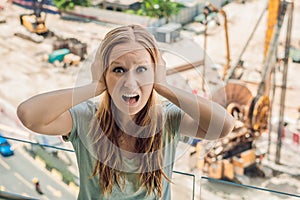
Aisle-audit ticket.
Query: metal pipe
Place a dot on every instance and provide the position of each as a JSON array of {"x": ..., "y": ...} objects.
[
  {"x": 227, "y": 66},
  {"x": 271, "y": 110},
  {"x": 222, "y": 12},
  {"x": 204, "y": 56},
  {"x": 284, "y": 80}
]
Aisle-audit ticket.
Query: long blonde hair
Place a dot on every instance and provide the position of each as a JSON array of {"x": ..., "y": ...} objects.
[{"x": 105, "y": 131}]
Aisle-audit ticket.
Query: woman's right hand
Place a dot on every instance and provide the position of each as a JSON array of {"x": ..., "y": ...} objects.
[
  {"x": 101, "y": 85},
  {"x": 98, "y": 77}
]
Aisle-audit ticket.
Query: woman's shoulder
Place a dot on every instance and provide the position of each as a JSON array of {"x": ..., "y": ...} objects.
[
  {"x": 172, "y": 114},
  {"x": 169, "y": 107},
  {"x": 86, "y": 105},
  {"x": 84, "y": 109}
]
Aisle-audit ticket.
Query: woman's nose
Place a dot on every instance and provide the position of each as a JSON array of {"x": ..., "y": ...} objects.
[{"x": 130, "y": 80}]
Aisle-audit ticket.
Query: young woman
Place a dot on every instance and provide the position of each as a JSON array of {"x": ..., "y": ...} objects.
[{"x": 125, "y": 144}]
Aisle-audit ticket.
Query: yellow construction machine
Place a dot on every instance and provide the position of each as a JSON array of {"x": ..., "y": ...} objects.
[{"x": 35, "y": 22}]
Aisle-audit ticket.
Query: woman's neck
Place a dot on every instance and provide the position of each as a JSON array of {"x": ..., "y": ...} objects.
[{"x": 126, "y": 123}]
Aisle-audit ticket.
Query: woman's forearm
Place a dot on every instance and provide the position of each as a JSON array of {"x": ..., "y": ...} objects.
[
  {"x": 204, "y": 111},
  {"x": 42, "y": 109}
]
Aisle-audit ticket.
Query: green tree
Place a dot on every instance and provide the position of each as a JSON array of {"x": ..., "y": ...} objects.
[
  {"x": 70, "y": 4},
  {"x": 160, "y": 8}
]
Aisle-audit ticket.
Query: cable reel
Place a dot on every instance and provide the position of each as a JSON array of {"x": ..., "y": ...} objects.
[
  {"x": 235, "y": 97},
  {"x": 259, "y": 113}
]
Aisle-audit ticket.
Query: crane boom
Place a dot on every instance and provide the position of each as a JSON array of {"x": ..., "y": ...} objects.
[{"x": 273, "y": 10}]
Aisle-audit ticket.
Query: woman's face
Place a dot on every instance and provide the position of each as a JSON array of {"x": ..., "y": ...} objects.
[{"x": 130, "y": 77}]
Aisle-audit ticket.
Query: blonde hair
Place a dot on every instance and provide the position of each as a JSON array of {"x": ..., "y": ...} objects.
[{"x": 106, "y": 132}]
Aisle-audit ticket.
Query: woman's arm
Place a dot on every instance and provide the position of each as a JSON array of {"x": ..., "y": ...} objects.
[
  {"x": 48, "y": 113},
  {"x": 203, "y": 118}
]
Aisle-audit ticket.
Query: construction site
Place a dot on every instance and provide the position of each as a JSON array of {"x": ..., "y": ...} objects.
[{"x": 244, "y": 55}]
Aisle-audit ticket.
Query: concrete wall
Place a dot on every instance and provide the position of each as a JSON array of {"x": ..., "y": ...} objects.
[{"x": 186, "y": 15}]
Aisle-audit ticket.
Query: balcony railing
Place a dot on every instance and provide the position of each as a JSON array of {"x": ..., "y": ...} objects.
[{"x": 223, "y": 189}]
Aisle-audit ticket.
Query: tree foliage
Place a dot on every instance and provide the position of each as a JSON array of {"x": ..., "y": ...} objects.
[
  {"x": 70, "y": 4},
  {"x": 160, "y": 8}
]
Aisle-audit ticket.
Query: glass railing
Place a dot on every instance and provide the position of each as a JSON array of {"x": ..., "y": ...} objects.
[
  {"x": 189, "y": 186},
  {"x": 225, "y": 190},
  {"x": 7, "y": 195}
]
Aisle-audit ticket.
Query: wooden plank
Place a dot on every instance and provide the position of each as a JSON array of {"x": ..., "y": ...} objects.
[
  {"x": 238, "y": 165},
  {"x": 248, "y": 157},
  {"x": 215, "y": 170},
  {"x": 228, "y": 169}
]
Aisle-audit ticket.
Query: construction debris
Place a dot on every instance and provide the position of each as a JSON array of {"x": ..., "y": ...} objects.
[
  {"x": 22, "y": 33},
  {"x": 76, "y": 47},
  {"x": 58, "y": 55}
]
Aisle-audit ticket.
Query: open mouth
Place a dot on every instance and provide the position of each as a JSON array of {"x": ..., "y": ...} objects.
[{"x": 131, "y": 98}]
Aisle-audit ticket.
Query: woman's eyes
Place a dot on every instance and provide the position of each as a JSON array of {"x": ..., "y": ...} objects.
[
  {"x": 141, "y": 69},
  {"x": 119, "y": 70},
  {"x": 122, "y": 70}
]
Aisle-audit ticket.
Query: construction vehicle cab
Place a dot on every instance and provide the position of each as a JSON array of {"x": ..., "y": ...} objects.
[{"x": 34, "y": 22}]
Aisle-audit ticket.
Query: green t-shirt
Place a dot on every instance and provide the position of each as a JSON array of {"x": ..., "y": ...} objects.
[{"x": 82, "y": 115}]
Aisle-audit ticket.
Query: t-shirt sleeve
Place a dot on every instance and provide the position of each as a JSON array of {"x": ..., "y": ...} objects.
[
  {"x": 173, "y": 119},
  {"x": 82, "y": 115},
  {"x": 174, "y": 116}
]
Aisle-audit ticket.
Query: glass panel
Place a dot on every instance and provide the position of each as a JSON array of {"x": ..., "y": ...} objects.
[
  {"x": 183, "y": 185},
  {"x": 223, "y": 190},
  {"x": 17, "y": 175}
]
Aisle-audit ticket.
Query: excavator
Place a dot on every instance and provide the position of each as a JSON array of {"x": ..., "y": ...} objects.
[{"x": 35, "y": 22}]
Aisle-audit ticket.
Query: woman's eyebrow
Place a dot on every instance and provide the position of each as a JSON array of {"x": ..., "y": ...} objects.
[
  {"x": 116, "y": 63},
  {"x": 142, "y": 61}
]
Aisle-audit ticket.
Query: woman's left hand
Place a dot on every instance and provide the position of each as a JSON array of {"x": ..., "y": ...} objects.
[{"x": 160, "y": 78}]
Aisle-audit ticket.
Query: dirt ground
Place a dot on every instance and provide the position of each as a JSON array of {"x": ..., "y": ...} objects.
[{"x": 24, "y": 73}]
